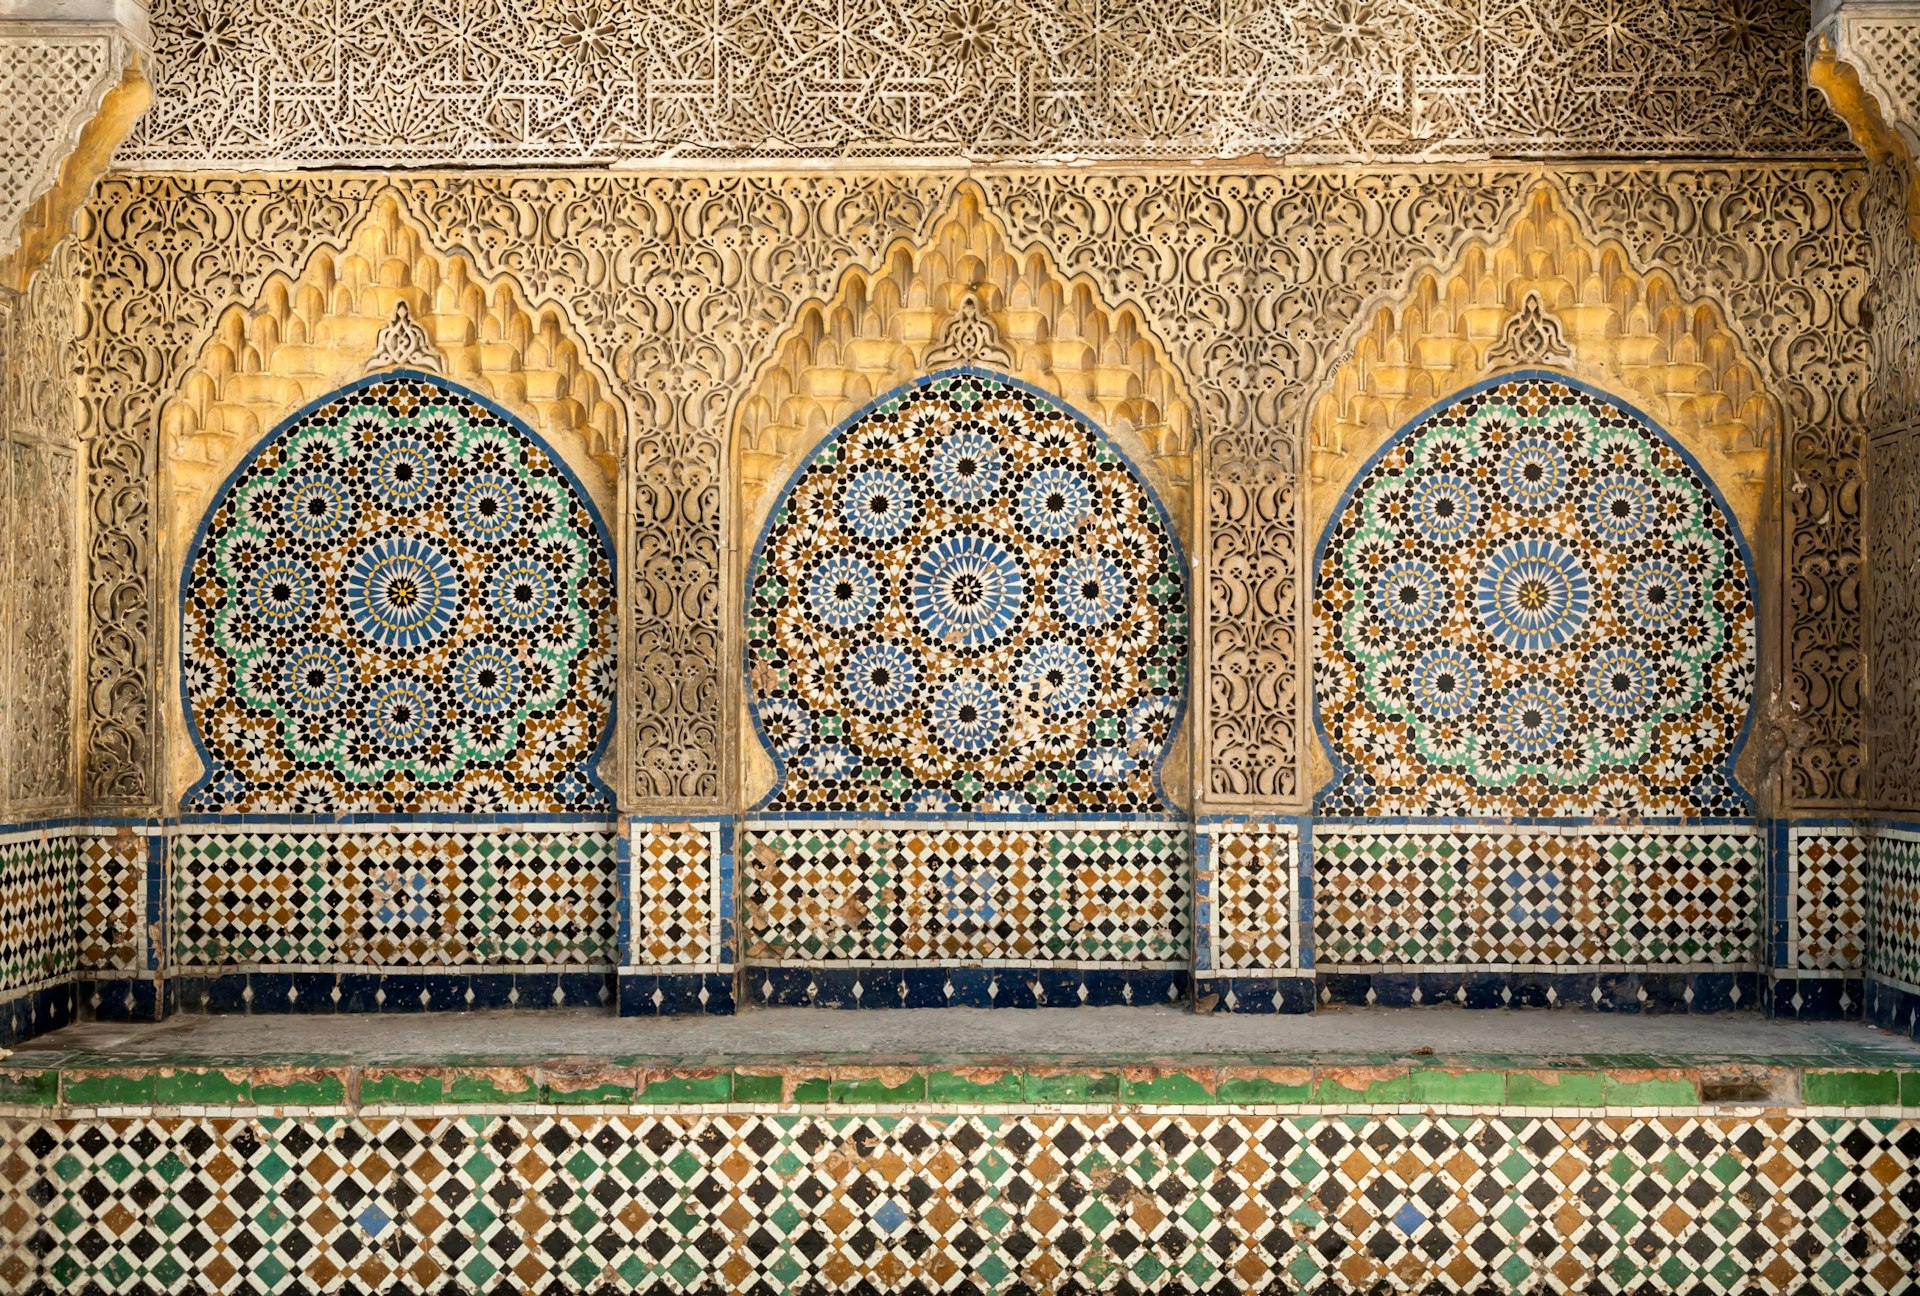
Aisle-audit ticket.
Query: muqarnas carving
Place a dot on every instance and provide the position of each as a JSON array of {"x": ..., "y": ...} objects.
[
  {"x": 1533, "y": 602},
  {"x": 402, "y": 602},
  {"x": 967, "y": 600}
]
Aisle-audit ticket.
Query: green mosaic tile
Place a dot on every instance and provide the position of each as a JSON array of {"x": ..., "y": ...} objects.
[
  {"x": 589, "y": 1086},
  {"x": 29, "y": 1086},
  {"x": 1850, "y": 1088},
  {"x": 473, "y": 1085},
  {"x": 1254, "y": 1087},
  {"x": 290, "y": 1087},
  {"x": 1354, "y": 1085},
  {"x": 1071, "y": 1086},
  {"x": 181, "y": 1087},
  {"x": 660, "y": 1088},
  {"x": 749, "y": 1087},
  {"x": 982, "y": 1085},
  {"x": 1166, "y": 1086},
  {"x": 1436, "y": 1085},
  {"x": 880, "y": 1087},
  {"x": 1542, "y": 1088}
]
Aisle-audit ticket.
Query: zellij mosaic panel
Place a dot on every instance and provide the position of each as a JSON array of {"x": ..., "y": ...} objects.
[
  {"x": 1532, "y": 602},
  {"x": 401, "y": 603},
  {"x": 967, "y": 600}
]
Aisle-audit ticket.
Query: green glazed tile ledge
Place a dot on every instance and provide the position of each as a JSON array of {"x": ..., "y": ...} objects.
[{"x": 597, "y": 1083}]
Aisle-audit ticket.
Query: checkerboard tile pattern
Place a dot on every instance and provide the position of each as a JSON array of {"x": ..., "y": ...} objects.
[
  {"x": 38, "y": 919},
  {"x": 1254, "y": 870},
  {"x": 1893, "y": 899},
  {"x": 112, "y": 899},
  {"x": 1565, "y": 897},
  {"x": 677, "y": 891},
  {"x": 967, "y": 895},
  {"x": 967, "y": 1201},
  {"x": 393, "y": 896},
  {"x": 1830, "y": 898}
]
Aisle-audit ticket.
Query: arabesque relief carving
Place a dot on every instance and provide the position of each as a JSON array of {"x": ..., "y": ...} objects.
[
  {"x": 1255, "y": 286},
  {"x": 41, "y": 524},
  {"x": 70, "y": 89},
  {"x": 685, "y": 84},
  {"x": 1892, "y": 610},
  {"x": 42, "y": 481},
  {"x": 1893, "y": 558},
  {"x": 1864, "y": 57}
]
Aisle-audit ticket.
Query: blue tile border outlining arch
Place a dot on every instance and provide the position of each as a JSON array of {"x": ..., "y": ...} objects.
[
  {"x": 280, "y": 429},
  {"x": 1487, "y": 384}
]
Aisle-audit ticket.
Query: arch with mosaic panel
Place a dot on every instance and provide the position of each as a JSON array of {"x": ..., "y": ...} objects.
[
  {"x": 1533, "y": 602},
  {"x": 967, "y": 600},
  {"x": 401, "y": 602},
  {"x": 966, "y": 653}
]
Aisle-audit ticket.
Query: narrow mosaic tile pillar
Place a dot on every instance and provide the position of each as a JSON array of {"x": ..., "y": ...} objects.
[
  {"x": 123, "y": 919},
  {"x": 1816, "y": 938},
  {"x": 677, "y": 941},
  {"x": 1893, "y": 927},
  {"x": 1253, "y": 914}
]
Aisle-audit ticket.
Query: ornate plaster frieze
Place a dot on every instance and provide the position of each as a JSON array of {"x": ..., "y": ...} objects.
[
  {"x": 693, "y": 85},
  {"x": 70, "y": 89},
  {"x": 1865, "y": 58}
]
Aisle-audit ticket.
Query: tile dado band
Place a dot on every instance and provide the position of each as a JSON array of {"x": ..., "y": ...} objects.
[{"x": 976, "y": 1197}]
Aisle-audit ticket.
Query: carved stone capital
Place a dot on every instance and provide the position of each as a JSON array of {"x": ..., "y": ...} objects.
[
  {"x": 70, "y": 90},
  {"x": 1864, "y": 56}
]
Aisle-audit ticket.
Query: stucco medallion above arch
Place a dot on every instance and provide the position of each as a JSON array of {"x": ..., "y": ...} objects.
[
  {"x": 312, "y": 333},
  {"x": 890, "y": 323},
  {"x": 1615, "y": 326}
]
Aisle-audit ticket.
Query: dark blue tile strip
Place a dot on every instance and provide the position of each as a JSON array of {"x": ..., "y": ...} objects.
[
  {"x": 952, "y": 987},
  {"x": 1815, "y": 998},
  {"x": 464, "y": 990},
  {"x": 677, "y": 994},
  {"x": 35, "y": 1012},
  {"x": 1892, "y": 1008},
  {"x": 1257, "y": 995},
  {"x": 1617, "y": 992}
]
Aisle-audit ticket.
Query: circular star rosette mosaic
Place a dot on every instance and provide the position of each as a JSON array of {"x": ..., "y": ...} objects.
[
  {"x": 400, "y": 604},
  {"x": 967, "y": 600},
  {"x": 1532, "y": 603}
]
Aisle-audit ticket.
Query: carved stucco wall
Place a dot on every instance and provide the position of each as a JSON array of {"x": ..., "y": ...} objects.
[
  {"x": 1893, "y": 534},
  {"x": 683, "y": 293},
  {"x": 39, "y": 518}
]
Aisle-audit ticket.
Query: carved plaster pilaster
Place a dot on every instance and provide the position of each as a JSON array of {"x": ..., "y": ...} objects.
[
  {"x": 70, "y": 90},
  {"x": 1864, "y": 56}
]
